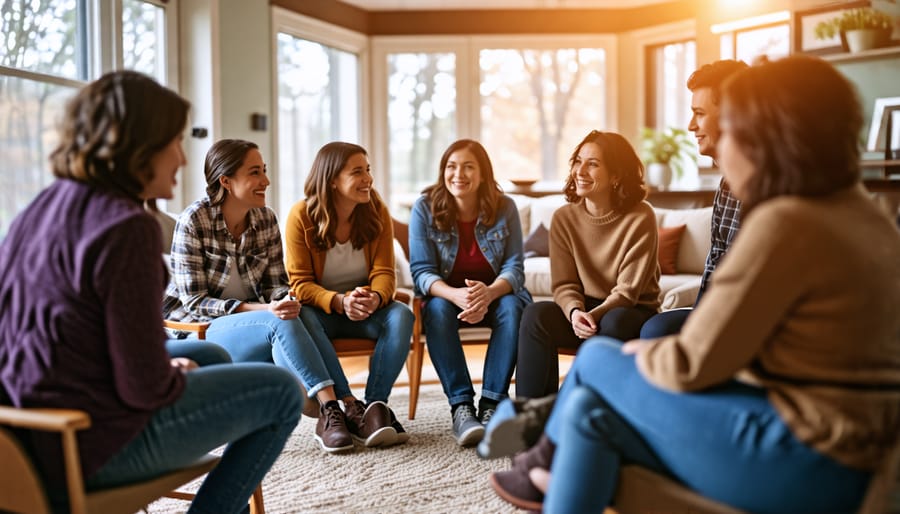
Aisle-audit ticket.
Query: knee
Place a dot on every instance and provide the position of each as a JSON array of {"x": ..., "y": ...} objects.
[
  {"x": 510, "y": 308},
  {"x": 399, "y": 318},
  {"x": 663, "y": 324},
  {"x": 537, "y": 315},
  {"x": 439, "y": 312},
  {"x": 599, "y": 348}
]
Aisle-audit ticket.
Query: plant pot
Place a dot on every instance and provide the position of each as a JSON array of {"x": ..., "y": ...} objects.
[
  {"x": 659, "y": 175},
  {"x": 867, "y": 39}
]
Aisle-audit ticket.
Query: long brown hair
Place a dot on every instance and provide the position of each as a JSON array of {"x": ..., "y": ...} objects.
[
  {"x": 621, "y": 162},
  {"x": 365, "y": 220},
  {"x": 775, "y": 111},
  {"x": 113, "y": 127},
  {"x": 443, "y": 205},
  {"x": 224, "y": 159}
]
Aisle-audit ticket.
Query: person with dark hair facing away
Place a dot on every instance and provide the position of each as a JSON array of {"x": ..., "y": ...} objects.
[
  {"x": 340, "y": 261},
  {"x": 603, "y": 264},
  {"x": 80, "y": 325},
  {"x": 466, "y": 261},
  {"x": 705, "y": 85},
  {"x": 782, "y": 392}
]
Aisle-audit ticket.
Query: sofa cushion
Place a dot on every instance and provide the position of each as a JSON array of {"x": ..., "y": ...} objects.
[
  {"x": 669, "y": 241},
  {"x": 695, "y": 240},
  {"x": 538, "y": 243},
  {"x": 537, "y": 277},
  {"x": 523, "y": 205}
]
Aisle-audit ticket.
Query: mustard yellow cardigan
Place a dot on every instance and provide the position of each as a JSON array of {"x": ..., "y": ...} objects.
[{"x": 305, "y": 262}]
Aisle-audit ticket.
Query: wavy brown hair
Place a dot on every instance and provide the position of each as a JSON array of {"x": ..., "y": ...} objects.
[
  {"x": 713, "y": 75},
  {"x": 113, "y": 127},
  {"x": 774, "y": 112},
  {"x": 365, "y": 220},
  {"x": 224, "y": 159},
  {"x": 443, "y": 205},
  {"x": 621, "y": 162}
]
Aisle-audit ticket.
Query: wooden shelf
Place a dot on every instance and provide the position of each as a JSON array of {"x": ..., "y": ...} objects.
[{"x": 877, "y": 53}]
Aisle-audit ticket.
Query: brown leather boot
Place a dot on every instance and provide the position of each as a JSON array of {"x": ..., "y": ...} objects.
[{"x": 331, "y": 430}]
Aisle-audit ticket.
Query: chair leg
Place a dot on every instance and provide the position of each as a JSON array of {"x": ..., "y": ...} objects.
[
  {"x": 414, "y": 369},
  {"x": 256, "y": 501}
]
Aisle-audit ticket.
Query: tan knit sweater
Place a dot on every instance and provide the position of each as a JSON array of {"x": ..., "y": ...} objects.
[
  {"x": 612, "y": 257},
  {"x": 806, "y": 304}
]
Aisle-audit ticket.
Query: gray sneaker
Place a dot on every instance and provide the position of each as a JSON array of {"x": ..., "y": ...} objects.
[
  {"x": 515, "y": 426},
  {"x": 466, "y": 427}
]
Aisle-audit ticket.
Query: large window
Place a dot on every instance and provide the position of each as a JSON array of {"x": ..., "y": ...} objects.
[
  {"x": 50, "y": 49},
  {"x": 668, "y": 67},
  {"x": 319, "y": 90},
  {"x": 529, "y": 101}
]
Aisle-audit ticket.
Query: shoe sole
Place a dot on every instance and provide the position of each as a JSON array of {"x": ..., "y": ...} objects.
[
  {"x": 514, "y": 500},
  {"x": 503, "y": 440},
  {"x": 333, "y": 449},
  {"x": 471, "y": 436},
  {"x": 385, "y": 436}
]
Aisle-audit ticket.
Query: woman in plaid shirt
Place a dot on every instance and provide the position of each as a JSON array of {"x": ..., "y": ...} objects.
[
  {"x": 340, "y": 260},
  {"x": 228, "y": 269}
]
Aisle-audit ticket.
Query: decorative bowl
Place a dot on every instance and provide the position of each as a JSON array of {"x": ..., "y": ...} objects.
[{"x": 523, "y": 182}]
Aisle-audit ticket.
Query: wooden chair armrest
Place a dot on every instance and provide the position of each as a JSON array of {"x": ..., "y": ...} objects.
[
  {"x": 49, "y": 420},
  {"x": 199, "y": 327},
  {"x": 404, "y": 295}
]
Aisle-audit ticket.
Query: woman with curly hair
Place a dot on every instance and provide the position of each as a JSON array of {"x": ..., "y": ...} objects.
[
  {"x": 466, "y": 260},
  {"x": 603, "y": 262},
  {"x": 340, "y": 262}
]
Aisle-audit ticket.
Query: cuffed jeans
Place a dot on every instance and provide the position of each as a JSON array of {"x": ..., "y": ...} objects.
[
  {"x": 251, "y": 407},
  {"x": 727, "y": 443},
  {"x": 545, "y": 329},
  {"x": 391, "y": 328},
  {"x": 446, "y": 353},
  {"x": 260, "y": 336}
]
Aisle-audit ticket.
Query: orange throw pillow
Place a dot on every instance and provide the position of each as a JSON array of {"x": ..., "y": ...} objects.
[{"x": 669, "y": 242}]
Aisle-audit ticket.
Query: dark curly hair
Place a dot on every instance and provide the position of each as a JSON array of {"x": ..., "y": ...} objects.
[
  {"x": 623, "y": 164},
  {"x": 443, "y": 206},
  {"x": 366, "y": 224},
  {"x": 774, "y": 113},
  {"x": 113, "y": 127}
]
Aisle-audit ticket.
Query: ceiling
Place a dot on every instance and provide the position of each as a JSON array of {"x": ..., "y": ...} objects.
[{"x": 419, "y": 5}]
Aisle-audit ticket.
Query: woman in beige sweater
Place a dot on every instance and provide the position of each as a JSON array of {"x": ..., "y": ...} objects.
[
  {"x": 782, "y": 392},
  {"x": 603, "y": 262}
]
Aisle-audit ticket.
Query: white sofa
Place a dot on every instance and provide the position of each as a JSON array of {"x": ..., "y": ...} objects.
[{"x": 677, "y": 290}]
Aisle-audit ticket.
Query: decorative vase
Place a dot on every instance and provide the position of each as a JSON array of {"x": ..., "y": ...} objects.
[
  {"x": 867, "y": 39},
  {"x": 659, "y": 175}
]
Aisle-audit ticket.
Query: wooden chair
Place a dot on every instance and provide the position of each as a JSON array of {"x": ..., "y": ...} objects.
[{"x": 21, "y": 489}]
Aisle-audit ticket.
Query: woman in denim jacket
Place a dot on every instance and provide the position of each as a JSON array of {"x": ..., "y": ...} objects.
[{"x": 466, "y": 260}]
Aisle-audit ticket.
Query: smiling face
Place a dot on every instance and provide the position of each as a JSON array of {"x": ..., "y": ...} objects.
[
  {"x": 354, "y": 183},
  {"x": 705, "y": 120},
  {"x": 592, "y": 180},
  {"x": 736, "y": 167},
  {"x": 462, "y": 175},
  {"x": 248, "y": 184},
  {"x": 165, "y": 165}
]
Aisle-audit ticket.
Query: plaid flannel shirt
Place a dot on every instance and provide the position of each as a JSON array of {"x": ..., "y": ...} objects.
[
  {"x": 202, "y": 252},
  {"x": 726, "y": 220}
]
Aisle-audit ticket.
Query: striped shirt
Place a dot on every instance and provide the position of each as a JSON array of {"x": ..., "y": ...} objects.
[
  {"x": 202, "y": 253},
  {"x": 726, "y": 220}
]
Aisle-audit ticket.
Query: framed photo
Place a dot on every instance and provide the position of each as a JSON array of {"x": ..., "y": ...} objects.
[
  {"x": 804, "y": 40},
  {"x": 884, "y": 130}
]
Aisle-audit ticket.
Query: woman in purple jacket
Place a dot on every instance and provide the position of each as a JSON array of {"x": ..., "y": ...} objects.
[{"x": 81, "y": 280}]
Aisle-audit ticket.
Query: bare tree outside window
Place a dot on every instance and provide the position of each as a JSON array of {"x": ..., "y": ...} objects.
[{"x": 143, "y": 38}]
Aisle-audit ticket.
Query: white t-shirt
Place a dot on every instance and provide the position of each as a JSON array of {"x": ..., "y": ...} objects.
[
  {"x": 345, "y": 268},
  {"x": 235, "y": 287}
]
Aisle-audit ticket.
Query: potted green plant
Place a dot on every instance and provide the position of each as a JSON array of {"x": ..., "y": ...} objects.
[
  {"x": 862, "y": 28},
  {"x": 666, "y": 153}
]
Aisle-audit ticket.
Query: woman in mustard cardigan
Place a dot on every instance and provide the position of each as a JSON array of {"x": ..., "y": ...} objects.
[{"x": 340, "y": 262}]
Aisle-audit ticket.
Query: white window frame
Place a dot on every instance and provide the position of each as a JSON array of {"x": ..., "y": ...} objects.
[{"x": 311, "y": 29}]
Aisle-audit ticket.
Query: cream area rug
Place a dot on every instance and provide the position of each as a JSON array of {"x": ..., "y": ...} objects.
[{"x": 428, "y": 474}]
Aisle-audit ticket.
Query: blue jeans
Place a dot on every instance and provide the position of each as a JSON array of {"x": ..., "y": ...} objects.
[
  {"x": 446, "y": 353},
  {"x": 727, "y": 443},
  {"x": 203, "y": 353},
  {"x": 665, "y": 323},
  {"x": 251, "y": 407},
  {"x": 260, "y": 336},
  {"x": 391, "y": 328}
]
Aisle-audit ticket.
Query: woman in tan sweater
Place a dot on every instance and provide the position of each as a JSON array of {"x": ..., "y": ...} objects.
[
  {"x": 782, "y": 392},
  {"x": 603, "y": 262}
]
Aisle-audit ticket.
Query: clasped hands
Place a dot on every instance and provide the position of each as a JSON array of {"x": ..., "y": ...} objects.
[
  {"x": 360, "y": 303},
  {"x": 583, "y": 324},
  {"x": 286, "y": 308},
  {"x": 474, "y": 300}
]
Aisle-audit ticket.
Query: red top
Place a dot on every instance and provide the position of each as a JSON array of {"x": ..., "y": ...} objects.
[{"x": 470, "y": 262}]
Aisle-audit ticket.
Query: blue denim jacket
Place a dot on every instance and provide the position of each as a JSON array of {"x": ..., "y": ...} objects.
[{"x": 432, "y": 252}]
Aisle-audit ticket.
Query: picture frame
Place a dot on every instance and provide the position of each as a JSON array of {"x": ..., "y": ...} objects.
[
  {"x": 804, "y": 27},
  {"x": 884, "y": 129}
]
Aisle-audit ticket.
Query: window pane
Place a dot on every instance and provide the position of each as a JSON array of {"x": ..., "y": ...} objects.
[
  {"x": 318, "y": 102},
  {"x": 421, "y": 120},
  {"x": 29, "y": 113},
  {"x": 143, "y": 38},
  {"x": 773, "y": 42},
  {"x": 40, "y": 36},
  {"x": 676, "y": 62},
  {"x": 537, "y": 104}
]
